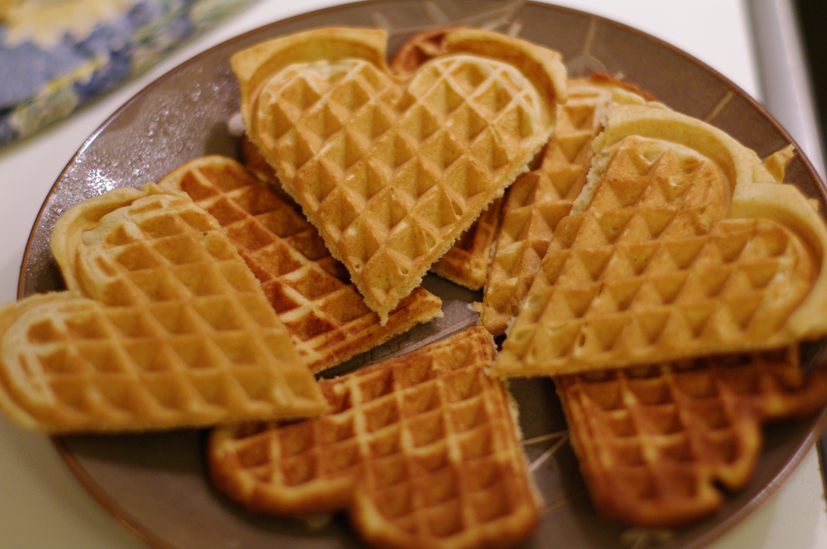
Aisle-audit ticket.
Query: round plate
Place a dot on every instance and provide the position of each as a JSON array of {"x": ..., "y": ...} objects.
[{"x": 157, "y": 484}]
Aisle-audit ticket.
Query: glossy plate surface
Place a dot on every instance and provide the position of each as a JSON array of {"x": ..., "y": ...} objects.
[{"x": 156, "y": 483}]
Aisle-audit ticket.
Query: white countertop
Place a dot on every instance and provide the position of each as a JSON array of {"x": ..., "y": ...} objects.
[{"x": 43, "y": 505}]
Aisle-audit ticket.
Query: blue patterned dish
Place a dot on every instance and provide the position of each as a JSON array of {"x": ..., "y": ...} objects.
[{"x": 55, "y": 55}]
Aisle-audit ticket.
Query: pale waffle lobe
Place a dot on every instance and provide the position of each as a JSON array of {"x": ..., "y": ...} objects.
[
  {"x": 466, "y": 262},
  {"x": 310, "y": 291},
  {"x": 164, "y": 327},
  {"x": 658, "y": 445},
  {"x": 390, "y": 170},
  {"x": 421, "y": 450},
  {"x": 539, "y": 199}
]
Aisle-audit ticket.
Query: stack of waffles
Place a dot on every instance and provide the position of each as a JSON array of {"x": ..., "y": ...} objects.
[
  {"x": 656, "y": 269},
  {"x": 163, "y": 326},
  {"x": 211, "y": 298},
  {"x": 309, "y": 290},
  {"x": 667, "y": 307},
  {"x": 633, "y": 265},
  {"x": 391, "y": 171}
]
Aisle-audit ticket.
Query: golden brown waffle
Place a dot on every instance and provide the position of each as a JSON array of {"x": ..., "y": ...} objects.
[
  {"x": 465, "y": 263},
  {"x": 656, "y": 444},
  {"x": 258, "y": 166},
  {"x": 419, "y": 49},
  {"x": 682, "y": 244},
  {"x": 310, "y": 291},
  {"x": 164, "y": 327},
  {"x": 537, "y": 201},
  {"x": 391, "y": 171},
  {"x": 421, "y": 450}
]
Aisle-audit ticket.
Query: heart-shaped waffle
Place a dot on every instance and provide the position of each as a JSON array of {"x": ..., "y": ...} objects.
[
  {"x": 164, "y": 326},
  {"x": 392, "y": 170},
  {"x": 681, "y": 244},
  {"x": 421, "y": 450},
  {"x": 656, "y": 444},
  {"x": 465, "y": 263}
]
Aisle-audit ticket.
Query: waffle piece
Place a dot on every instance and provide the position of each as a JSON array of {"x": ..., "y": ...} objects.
[
  {"x": 310, "y": 291},
  {"x": 465, "y": 263},
  {"x": 421, "y": 450},
  {"x": 537, "y": 200},
  {"x": 164, "y": 326},
  {"x": 391, "y": 171},
  {"x": 682, "y": 244},
  {"x": 656, "y": 444}
]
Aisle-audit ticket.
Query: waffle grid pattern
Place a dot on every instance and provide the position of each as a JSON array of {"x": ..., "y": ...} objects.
[
  {"x": 538, "y": 200},
  {"x": 392, "y": 175},
  {"x": 657, "y": 444},
  {"x": 466, "y": 262},
  {"x": 310, "y": 291},
  {"x": 651, "y": 271},
  {"x": 421, "y": 448},
  {"x": 182, "y": 334},
  {"x": 395, "y": 182}
]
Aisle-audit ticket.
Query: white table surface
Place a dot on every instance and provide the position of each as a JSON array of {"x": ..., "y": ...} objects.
[{"x": 44, "y": 506}]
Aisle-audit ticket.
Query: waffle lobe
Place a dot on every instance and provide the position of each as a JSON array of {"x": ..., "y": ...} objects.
[
  {"x": 540, "y": 199},
  {"x": 659, "y": 445}
]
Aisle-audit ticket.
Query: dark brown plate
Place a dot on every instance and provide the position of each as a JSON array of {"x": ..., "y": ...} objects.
[{"x": 156, "y": 483}]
